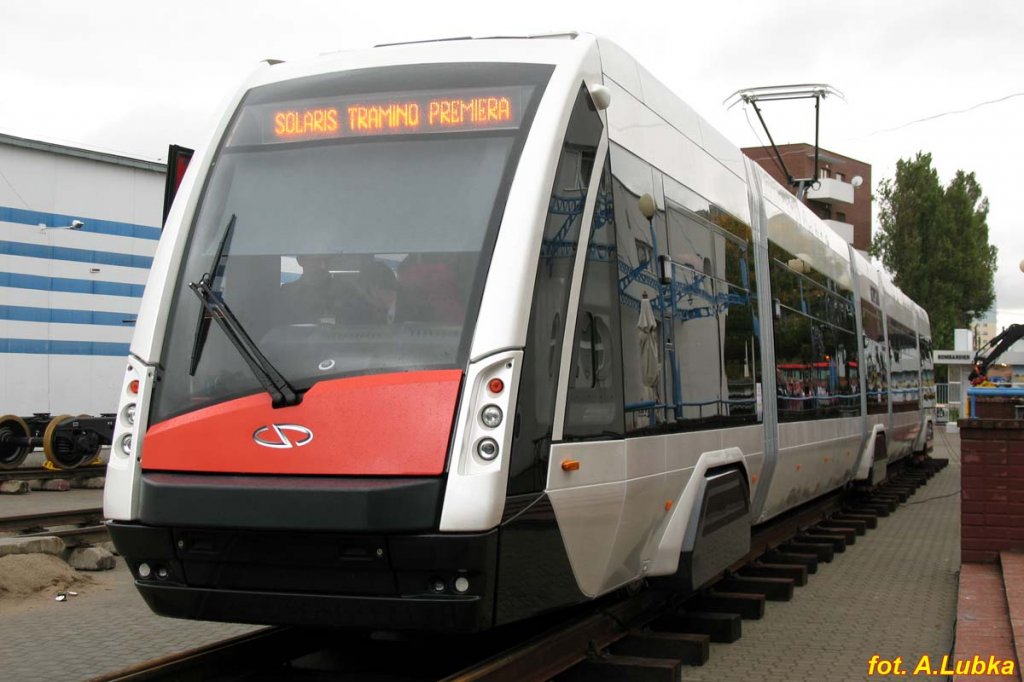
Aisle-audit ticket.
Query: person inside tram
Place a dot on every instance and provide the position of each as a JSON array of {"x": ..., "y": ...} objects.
[
  {"x": 372, "y": 298},
  {"x": 308, "y": 299},
  {"x": 431, "y": 288}
]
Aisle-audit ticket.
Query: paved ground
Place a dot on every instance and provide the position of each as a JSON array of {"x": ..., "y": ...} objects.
[
  {"x": 893, "y": 593},
  {"x": 105, "y": 628}
]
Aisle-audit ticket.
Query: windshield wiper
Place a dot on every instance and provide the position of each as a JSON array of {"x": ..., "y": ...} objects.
[
  {"x": 215, "y": 308},
  {"x": 203, "y": 323},
  {"x": 283, "y": 393}
]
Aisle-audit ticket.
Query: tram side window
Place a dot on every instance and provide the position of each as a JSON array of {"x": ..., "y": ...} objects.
[
  {"x": 875, "y": 359},
  {"x": 637, "y": 243},
  {"x": 715, "y": 359},
  {"x": 541, "y": 360},
  {"x": 594, "y": 404},
  {"x": 816, "y": 355},
  {"x": 741, "y": 329},
  {"x": 689, "y": 343},
  {"x": 695, "y": 382},
  {"x": 905, "y": 388}
]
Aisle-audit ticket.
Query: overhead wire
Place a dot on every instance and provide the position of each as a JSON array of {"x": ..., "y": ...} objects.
[{"x": 947, "y": 113}]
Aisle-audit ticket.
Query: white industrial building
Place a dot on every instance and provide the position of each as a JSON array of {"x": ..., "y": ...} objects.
[{"x": 78, "y": 230}]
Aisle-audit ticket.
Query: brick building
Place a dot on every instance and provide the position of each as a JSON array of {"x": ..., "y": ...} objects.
[{"x": 838, "y": 199}]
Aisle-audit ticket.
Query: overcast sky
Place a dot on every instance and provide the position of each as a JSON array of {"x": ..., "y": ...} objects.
[{"x": 133, "y": 77}]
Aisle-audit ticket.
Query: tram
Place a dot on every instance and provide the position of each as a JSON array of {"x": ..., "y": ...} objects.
[{"x": 444, "y": 335}]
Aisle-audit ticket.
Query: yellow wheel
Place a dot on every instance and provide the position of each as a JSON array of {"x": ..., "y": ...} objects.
[
  {"x": 66, "y": 445},
  {"x": 58, "y": 446}
]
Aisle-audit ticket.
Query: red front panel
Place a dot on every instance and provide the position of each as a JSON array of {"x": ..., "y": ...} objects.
[{"x": 379, "y": 425}]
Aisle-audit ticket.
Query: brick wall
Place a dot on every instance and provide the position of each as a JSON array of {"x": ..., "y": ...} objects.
[
  {"x": 992, "y": 488},
  {"x": 799, "y": 159}
]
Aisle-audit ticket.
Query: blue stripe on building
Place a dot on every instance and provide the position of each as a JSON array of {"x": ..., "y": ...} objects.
[
  {"x": 43, "y": 347},
  {"x": 75, "y": 286},
  {"x": 77, "y": 255},
  {"x": 64, "y": 316},
  {"x": 94, "y": 225}
]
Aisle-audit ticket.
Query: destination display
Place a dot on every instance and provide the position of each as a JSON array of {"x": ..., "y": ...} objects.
[{"x": 392, "y": 114}]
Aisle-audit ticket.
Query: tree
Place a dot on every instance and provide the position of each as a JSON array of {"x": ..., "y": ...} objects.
[{"x": 935, "y": 242}]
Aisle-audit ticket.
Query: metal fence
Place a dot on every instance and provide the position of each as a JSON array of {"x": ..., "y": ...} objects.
[{"x": 948, "y": 397}]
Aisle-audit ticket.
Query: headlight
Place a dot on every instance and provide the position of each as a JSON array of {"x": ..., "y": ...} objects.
[
  {"x": 487, "y": 448},
  {"x": 491, "y": 416},
  {"x": 129, "y": 413},
  {"x": 126, "y": 444}
]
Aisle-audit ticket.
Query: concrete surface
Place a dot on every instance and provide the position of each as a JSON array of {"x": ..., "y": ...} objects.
[
  {"x": 105, "y": 628},
  {"x": 40, "y": 545},
  {"x": 91, "y": 559},
  {"x": 893, "y": 593}
]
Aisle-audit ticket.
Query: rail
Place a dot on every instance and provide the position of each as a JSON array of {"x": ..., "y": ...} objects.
[
  {"x": 223, "y": 659},
  {"x": 823, "y": 526},
  {"x": 567, "y": 644},
  {"x": 43, "y": 474},
  {"x": 75, "y": 527},
  {"x": 33, "y": 522},
  {"x": 600, "y": 633}
]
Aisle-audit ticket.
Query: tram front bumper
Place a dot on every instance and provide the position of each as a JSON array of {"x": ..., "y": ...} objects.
[{"x": 437, "y": 582}]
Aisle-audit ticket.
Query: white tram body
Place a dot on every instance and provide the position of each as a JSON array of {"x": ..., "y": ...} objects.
[{"x": 506, "y": 388}]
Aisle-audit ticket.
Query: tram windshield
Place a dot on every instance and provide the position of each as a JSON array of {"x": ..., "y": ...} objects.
[{"x": 365, "y": 209}]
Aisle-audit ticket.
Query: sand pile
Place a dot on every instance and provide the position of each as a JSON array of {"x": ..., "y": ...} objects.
[{"x": 22, "y": 575}]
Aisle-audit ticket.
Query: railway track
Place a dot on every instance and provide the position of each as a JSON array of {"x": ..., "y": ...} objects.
[
  {"x": 42, "y": 474},
  {"x": 647, "y": 635},
  {"x": 75, "y": 527}
]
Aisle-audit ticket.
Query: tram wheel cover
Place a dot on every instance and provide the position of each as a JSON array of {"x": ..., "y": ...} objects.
[
  {"x": 11, "y": 456},
  {"x": 59, "y": 459}
]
